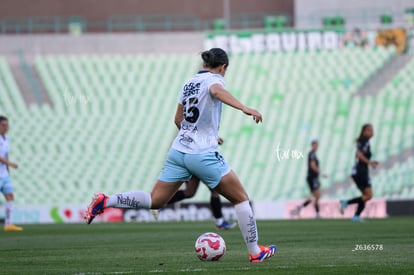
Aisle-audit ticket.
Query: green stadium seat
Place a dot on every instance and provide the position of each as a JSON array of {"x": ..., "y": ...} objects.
[{"x": 118, "y": 139}]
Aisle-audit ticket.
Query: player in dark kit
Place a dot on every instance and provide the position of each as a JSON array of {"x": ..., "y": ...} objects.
[
  {"x": 312, "y": 179},
  {"x": 360, "y": 172}
]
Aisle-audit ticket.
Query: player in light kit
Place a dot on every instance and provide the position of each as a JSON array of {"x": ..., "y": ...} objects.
[
  {"x": 6, "y": 186},
  {"x": 360, "y": 172},
  {"x": 195, "y": 152}
]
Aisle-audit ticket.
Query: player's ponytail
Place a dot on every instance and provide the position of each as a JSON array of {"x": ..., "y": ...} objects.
[{"x": 214, "y": 58}]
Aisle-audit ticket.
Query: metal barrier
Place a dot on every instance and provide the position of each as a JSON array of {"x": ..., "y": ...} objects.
[{"x": 138, "y": 23}]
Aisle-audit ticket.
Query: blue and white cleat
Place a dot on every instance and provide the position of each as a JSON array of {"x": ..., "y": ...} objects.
[
  {"x": 343, "y": 204},
  {"x": 265, "y": 253},
  {"x": 357, "y": 218},
  {"x": 225, "y": 225},
  {"x": 295, "y": 212},
  {"x": 96, "y": 207}
]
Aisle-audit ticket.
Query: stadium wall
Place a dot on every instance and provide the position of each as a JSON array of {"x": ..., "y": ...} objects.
[
  {"x": 281, "y": 209},
  {"x": 97, "y": 43},
  {"x": 376, "y": 208}
]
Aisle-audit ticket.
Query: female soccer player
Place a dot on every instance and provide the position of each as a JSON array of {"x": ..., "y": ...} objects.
[
  {"x": 6, "y": 186},
  {"x": 360, "y": 172},
  {"x": 195, "y": 152},
  {"x": 312, "y": 179}
]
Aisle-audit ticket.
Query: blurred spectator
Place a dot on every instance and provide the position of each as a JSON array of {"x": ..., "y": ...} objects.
[{"x": 355, "y": 37}]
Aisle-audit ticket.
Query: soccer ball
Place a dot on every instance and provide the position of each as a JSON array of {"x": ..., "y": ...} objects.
[{"x": 210, "y": 247}]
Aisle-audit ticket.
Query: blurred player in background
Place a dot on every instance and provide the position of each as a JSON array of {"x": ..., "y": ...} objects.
[
  {"x": 312, "y": 179},
  {"x": 360, "y": 172},
  {"x": 195, "y": 152},
  {"x": 6, "y": 186}
]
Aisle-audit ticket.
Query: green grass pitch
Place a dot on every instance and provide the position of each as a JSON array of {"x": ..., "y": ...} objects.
[{"x": 304, "y": 247}]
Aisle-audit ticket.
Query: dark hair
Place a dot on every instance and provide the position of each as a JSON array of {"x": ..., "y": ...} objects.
[
  {"x": 214, "y": 58},
  {"x": 3, "y": 118},
  {"x": 361, "y": 134},
  {"x": 314, "y": 141}
]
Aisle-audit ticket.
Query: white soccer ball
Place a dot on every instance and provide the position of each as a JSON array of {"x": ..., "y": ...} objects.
[{"x": 210, "y": 247}]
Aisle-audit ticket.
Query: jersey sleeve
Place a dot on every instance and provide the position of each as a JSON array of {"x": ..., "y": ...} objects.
[
  {"x": 312, "y": 156},
  {"x": 215, "y": 79},
  {"x": 361, "y": 145},
  {"x": 180, "y": 98}
]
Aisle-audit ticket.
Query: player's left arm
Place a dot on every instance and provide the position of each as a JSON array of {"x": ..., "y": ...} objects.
[{"x": 226, "y": 97}]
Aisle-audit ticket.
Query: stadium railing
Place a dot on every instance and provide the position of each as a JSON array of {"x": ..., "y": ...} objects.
[{"x": 133, "y": 23}]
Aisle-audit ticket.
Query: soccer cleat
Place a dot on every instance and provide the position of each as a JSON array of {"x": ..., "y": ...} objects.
[
  {"x": 357, "y": 218},
  {"x": 96, "y": 207},
  {"x": 226, "y": 225},
  {"x": 155, "y": 213},
  {"x": 295, "y": 212},
  {"x": 12, "y": 227},
  {"x": 344, "y": 204},
  {"x": 265, "y": 253}
]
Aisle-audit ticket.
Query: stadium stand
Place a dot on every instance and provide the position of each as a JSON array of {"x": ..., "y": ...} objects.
[
  {"x": 110, "y": 122},
  {"x": 11, "y": 100}
]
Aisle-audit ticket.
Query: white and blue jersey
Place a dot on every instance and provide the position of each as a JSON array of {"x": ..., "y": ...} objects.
[
  {"x": 195, "y": 148},
  {"x": 199, "y": 129}
]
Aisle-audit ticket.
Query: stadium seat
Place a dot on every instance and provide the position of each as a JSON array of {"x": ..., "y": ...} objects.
[{"x": 111, "y": 122}]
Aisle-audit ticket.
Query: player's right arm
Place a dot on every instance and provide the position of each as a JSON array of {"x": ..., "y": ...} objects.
[
  {"x": 314, "y": 167},
  {"x": 361, "y": 157},
  {"x": 224, "y": 96}
]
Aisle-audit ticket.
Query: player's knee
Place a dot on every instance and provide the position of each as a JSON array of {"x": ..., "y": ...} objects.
[{"x": 367, "y": 196}]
